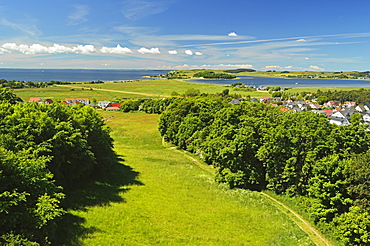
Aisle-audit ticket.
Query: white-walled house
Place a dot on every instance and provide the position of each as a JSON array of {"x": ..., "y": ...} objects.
[
  {"x": 103, "y": 104},
  {"x": 339, "y": 118}
]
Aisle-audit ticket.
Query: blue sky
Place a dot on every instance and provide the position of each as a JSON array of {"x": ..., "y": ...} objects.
[{"x": 184, "y": 34}]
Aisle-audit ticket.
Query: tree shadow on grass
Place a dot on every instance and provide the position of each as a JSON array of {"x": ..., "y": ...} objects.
[{"x": 106, "y": 188}]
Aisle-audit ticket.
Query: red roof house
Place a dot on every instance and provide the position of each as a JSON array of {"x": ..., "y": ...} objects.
[{"x": 35, "y": 99}]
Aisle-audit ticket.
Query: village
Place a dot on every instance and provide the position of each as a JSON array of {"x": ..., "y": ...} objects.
[{"x": 338, "y": 113}]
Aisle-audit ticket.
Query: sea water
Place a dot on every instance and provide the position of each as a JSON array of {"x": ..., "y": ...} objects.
[
  {"x": 75, "y": 75},
  {"x": 85, "y": 75}
]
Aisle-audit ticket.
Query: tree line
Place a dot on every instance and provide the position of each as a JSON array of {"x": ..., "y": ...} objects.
[
  {"x": 15, "y": 84},
  {"x": 361, "y": 96},
  {"x": 46, "y": 151},
  {"x": 257, "y": 146},
  {"x": 213, "y": 75}
]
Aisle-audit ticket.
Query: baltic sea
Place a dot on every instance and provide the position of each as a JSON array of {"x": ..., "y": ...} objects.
[
  {"x": 85, "y": 75},
  {"x": 75, "y": 75}
]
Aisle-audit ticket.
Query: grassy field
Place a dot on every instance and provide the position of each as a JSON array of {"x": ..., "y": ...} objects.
[
  {"x": 167, "y": 199},
  {"x": 116, "y": 91}
]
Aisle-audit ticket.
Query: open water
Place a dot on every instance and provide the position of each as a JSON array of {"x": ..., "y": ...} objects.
[
  {"x": 271, "y": 81},
  {"x": 75, "y": 75},
  {"x": 84, "y": 75}
]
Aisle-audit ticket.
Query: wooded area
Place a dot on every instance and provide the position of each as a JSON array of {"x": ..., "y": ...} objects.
[
  {"x": 256, "y": 146},
  {"x": 46, "y": 151}
]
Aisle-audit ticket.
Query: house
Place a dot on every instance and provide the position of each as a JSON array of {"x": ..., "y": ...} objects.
[
  {"x": 36, "y": 99},
  {"x": 361, "y": 109},
  {"x": 234, "y": 101},
  {"x": 103, "y": 104},
  {"x": 328, "y": 112},
  {"x": 332, "y": 104},
  {"x": 48, "y": 101},
  {"x": 339, "y": 118},
  {"x": 114, "y": 104},
  {"x": 112, "y": 108},
  {"x": 366, "y": 118},
  {"x": 348, "y": 112},
  {"x": 348, "y": 104},
  {"x": 284, "y": 109},
  {"x": 77, "y": 100},
  {"x": 255, "y": 100},
  {"x": 265, "y": 99},
  {"x": 314, "y": 105}
]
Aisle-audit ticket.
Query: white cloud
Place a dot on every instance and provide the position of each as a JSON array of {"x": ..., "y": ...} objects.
[
  {"x": 272, "y": 67},
  {"x": 84, "y": 49},
  {"x": 172, "y": 52},
  {"x": 79, "y": 14},
  {"x": 213, "y": 66},
  {"x": 189, "y": 52},
  {"x": 284, "y": 68},
  {"x": 116, "y": 50},
  {"x": 301, "y": 40},
  {"x": 198, "y": 53},
  {"x": 232, "y": 34},
  {"x": 57, "y": 48},
  {"x": 148, "y": 51},
  {"x": 41, "y": 49},
  {"x": 316, "y": 68}
]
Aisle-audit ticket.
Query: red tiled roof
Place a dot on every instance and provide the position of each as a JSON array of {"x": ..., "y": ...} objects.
[
  {"x": 112, "y": 108},
  {"x": 284, "y": 109},
  {"x": 115, "y": 104},
  {"x": 35, "y": 99}
]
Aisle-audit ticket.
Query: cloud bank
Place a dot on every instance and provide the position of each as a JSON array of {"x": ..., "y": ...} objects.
[
  {"x": 41, "y": 49},
  {"x": 149, "y": 51},
  {"x": 116, "y": 50}
]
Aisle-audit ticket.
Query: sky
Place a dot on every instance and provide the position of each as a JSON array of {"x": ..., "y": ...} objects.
[{"x": 292, "y": 35}]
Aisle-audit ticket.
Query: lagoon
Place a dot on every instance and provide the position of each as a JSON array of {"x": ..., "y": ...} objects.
[{"x": 273, "y": 81}]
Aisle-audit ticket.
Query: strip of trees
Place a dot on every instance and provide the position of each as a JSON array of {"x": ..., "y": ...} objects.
[
  {"x": 256, "y": 146},
  {"x": 45, "y": 151}
]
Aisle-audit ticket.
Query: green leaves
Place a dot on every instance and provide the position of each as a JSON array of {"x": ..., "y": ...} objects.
[
  {"x": 256, "y": 146},
  {"x": 42, "y": 147}
]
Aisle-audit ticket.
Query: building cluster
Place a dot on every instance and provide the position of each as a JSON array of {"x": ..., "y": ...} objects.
[
  {"x": 107, "y": 105},
  {"x": 338, "y": 113}
]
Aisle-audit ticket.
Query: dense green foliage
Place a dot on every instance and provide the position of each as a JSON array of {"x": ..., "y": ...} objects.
[
  {"x": 213, "y": 75},
  {"x": 14, "y": 84},
  {"x": 361, "y": 96},
  {"x": 256, "y": 146},
  {"x": 240, "y": 70},
  {"x": 45, "y": 150}
]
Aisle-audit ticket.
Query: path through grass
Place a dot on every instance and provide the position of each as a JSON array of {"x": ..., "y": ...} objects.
[{"x": 175, "y": 202}]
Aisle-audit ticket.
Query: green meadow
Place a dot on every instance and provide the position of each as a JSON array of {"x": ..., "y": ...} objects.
[
  {"x": 116, "y": 91},
  {"x": 168, "y": 199},
  {"x": 159, "y": 88}
]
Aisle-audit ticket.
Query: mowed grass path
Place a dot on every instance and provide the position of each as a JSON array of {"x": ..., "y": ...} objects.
[{"x": 175, "y": 202}]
